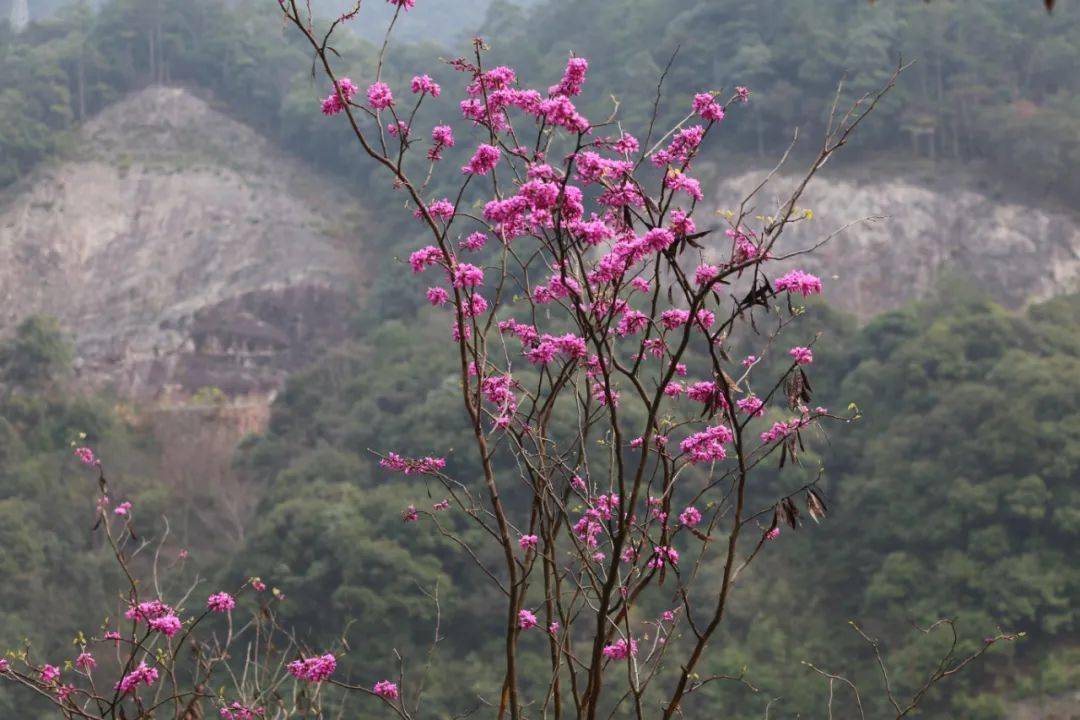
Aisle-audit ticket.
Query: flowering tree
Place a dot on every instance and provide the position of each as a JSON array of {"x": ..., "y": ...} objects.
[{"x": 595, "y": 319}]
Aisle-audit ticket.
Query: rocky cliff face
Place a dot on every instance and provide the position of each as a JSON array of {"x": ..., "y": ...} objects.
[
  {"x": 181, "y": 250},
  {"x": 926, "y": 229}
]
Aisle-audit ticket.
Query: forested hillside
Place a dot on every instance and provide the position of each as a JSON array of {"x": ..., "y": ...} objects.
[{"x": 954, "y": 495}]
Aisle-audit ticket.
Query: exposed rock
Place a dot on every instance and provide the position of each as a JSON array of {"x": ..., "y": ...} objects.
[
  {"x": 181, "y": 250},
  {"x": 929, "y": 229}
]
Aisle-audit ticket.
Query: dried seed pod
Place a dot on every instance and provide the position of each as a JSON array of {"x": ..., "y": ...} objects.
[{"x": 815, "y": 505}]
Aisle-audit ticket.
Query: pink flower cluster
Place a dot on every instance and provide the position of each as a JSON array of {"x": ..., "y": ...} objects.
[
  {"x": 236, "y": 711},
  {"x": 379, "y": 96},
  {"x": 706, "y": 106},
  {"x": 752, "y": 405},
  {"x": 526, "y": 619},
  {"x": 158, "y": 616},
  {"x": 86, "y": 456},
  {"x": 408, "y": 466},
  {"x": 386, "y": 690},
  {"x": 690, "y": 517},
  {"x": 663, "y": 554},
  {"x": 333, "y": 103},
  {"x": 800, "y": 282},
  {"x": 573, "y": 78},
  {"x": 424, "y": 85},
  {"x": 483, "y": 160},
  {"x": 221, "y": 602},
  {"x": 708, "y": 445},
  {"x": 313, "y": 669},
  {"x": 443, "y": 137},
  {"x": 142, "y": 674},
  {"x": 802, "y": 355},
  {"x": 621, "y": 649}
]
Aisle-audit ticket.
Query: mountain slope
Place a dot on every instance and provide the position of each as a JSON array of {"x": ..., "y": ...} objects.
[
  {"x": 911, "y": 233},
  {"x": 181, "y": 249}
]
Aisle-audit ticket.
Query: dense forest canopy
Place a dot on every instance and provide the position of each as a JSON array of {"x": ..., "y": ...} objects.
[
  {"x": 955, "y": 495},
  {"x": 993, "y": 81}
]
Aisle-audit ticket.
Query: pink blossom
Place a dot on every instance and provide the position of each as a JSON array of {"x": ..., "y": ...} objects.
[
  {"x": 167, "y": 625},
  {"x": 409, "y": 514},
  {"x": 682, "y": 224},
  {"x": 706, "y": 106},
  {"x": 802, "y": 355},
  {"x": 800, "y": 282},
  {"x": 681, "y": 182},
  {"x": 572, "y": 79},
  {"x": 379, "y": 96},
  {"x": 526, "y": 619},
  {"x": 441, "y": 505},
  {"x": 674, "y": 318},
  {"x": 743, "y": 93},
  {"x": 705, "y": 273},
  {"x": 386, "y": 690},
  {"x": 425, "y": 257},
  {"x": 236, "y": 711},
  {"x": 707, "y": 445},
  {"x": 667, "y": 616},
  {"x": 663, "y": 554},
  {"x": 443, "y": 137},
  {"x": 483, "y": 160},
  {"x": 442, "y": 209},
  {"x": 707, "y": 393},
  {"x": 659, "y": 239},
  {"x": 438, "y": 296},
  {"x": 690, "y": 517},
  {"x": 752, "y": 405},
  {"x": 553, "y": 628},
  {"x": 467, "y": 275},
  {"x": 123, "y": 509},
  {"x": 4, "y": 665},
  {"x": 148, "y": 610},
  {"x": 86, "y": 456},
  {"x": 64, "y": 692},
  {"x": 473, "y": 241},
  {"x": 422, "y": 84},
  {"x": 773, "y": 534},
  {"x": 142, "y": 674},
  {"x": 632, "y": 322},
  {"x": 558, "y": 110},
  {"x": 627, "y": 144},
  {"x": 258, "y": 585},
  {"x": 50, "y": 674},
  {"x": 333, "y": 104},
  {"x": 408, "y": 466},
  {"x": 221, "y": 602},
  {"x": 528, "y": 542},
  {"x": 621, "y": 649},
  {"x": 313, "y": 669},
  {"x": 749, "y": 360},
  {"x": 85, "y": 662}
]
